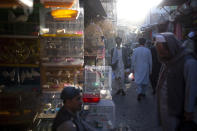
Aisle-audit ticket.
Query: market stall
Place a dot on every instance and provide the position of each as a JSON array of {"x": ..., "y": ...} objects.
[
  {"x": 19, "y": 68},
  {"x": 43, "y": 52}
]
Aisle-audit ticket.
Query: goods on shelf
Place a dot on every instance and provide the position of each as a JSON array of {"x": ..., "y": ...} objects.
[
  {"x": 56, "y": 78},
  {"x": 19, "y": 58},
  {"x": 19, "y": 77},
  {"x": 51, "y": 103},
  {"x": 62, "y": 51},
  {"x": 101, "y": 115},
  {"x": 19, "y": 51}
]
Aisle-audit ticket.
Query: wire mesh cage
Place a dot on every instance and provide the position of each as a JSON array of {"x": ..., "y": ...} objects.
[
  {"x": 69, "y": 28},
  {"x": 51, "y": 103},
  {"x": 56, "y": 78},
  {"x": 63, "y": 51},
  {"x": 101, "y": 115},
  {"x": 97, "y": 79}
]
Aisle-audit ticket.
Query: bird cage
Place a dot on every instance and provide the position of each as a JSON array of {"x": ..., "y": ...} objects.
[
  {"x": 50, "y": 26},
  {"x": 62, "y": 51},
  {"x": 98, "y": 80},
  {"x": 55, "y": 78},
  {"x": 101, "y": 115},
  {"x": 51, "y": 103}
]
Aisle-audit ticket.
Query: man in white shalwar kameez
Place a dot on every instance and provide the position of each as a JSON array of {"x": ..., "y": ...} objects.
[
  {"x": 141, "y": 67},
  {"x": 119, "y": 58}
]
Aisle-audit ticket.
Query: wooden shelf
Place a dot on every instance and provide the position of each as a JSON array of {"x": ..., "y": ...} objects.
[
  {"x": 61, "y": 66},
  {"x": 58, "y": 76},
  {"x": 19, "y": 65},
  {"x": 51, "y": 90},
  {"x": 46, "y": 116},
  {"x": 92, "y": 56},
  {"x": 19, "y": 36},
  {"x": 63, "y": 35},
  {"x": 9, "y": 3}
]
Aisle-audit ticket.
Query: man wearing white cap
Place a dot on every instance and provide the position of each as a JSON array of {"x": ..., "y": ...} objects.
[
  {"x": 177, "y": 85},
  {"x": 189, "y": 44}
]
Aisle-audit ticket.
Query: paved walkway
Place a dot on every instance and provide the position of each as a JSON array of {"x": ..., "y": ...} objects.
[{"x": 136, "y": 116}]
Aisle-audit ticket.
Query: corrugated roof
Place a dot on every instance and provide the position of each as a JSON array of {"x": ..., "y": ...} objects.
[
  {"x": 94, "y": 8},
  {"x": 172, "y": 2}
]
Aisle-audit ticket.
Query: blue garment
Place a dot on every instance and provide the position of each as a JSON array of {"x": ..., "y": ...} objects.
[
  {"x": 141, "y": 65},
  {"x": 119, "y": 71},
  {"x": 141, "y": 88},
  {"x": 190, "y": 75}
]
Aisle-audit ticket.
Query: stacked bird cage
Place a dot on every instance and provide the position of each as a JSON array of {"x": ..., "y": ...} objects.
[
  {"x": 62, "y": 43},
  {"x": 98, "y": 104},
  {"x": 101, "y": 115},
  {"x": 62, "y": 51}
]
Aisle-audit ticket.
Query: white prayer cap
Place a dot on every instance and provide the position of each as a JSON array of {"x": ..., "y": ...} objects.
[
  {"x": 160, "y": 38},
  {"x": 191, "y": 34}
]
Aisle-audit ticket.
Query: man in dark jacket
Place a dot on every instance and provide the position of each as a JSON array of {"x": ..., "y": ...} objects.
[
  {"x": 156, "y": 65},
  {"x": 177, "y": 85},
  {"x": 119, "y": 61},
  {"x": 67, "y": 118}
]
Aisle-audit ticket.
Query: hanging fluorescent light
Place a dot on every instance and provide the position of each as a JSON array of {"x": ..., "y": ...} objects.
[{"x": 28, "y": 3}]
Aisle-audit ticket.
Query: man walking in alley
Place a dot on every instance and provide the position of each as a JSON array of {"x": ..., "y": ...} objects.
[
  {"x": 119, "y": 64},
  {"x": 141, "y": 66},
  {"x": 177, "y": 85}
]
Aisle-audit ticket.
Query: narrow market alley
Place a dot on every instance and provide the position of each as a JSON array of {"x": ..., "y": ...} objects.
[
  {"x": 132, "y": 115},
  {"x": 98, "y": 65}
]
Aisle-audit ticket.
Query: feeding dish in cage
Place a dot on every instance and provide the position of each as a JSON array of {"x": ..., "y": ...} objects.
[{"x": 91, "y": 97}]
